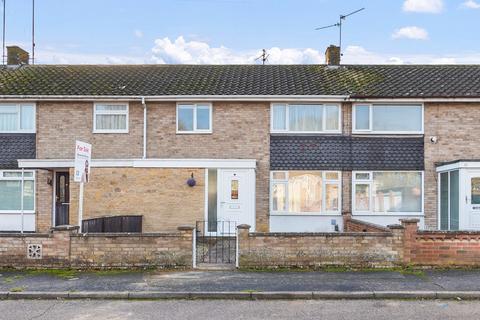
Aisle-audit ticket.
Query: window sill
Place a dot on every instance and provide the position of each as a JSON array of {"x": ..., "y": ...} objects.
[
  {"x": 307, "y": 132},
  {"x": 385, "y": 133},
  {"x": 110, "y": 131},
  {"x": 299, "y": 214},
  {"x": 16, "y": 212},
  {"x": 193, "y": 132}
]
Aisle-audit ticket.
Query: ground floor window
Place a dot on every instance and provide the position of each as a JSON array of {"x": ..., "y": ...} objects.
[
  {"x": 449, "y": 200},
  {"x": 305, "y": 192},
  {"x": 388, "y": 192},
  {"x": 11, "y": 191}
]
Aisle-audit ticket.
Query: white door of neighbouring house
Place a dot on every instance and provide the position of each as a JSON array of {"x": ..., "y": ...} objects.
[
  {"x": 236, "y": 198},
  {"x": 473, "y": 200}
]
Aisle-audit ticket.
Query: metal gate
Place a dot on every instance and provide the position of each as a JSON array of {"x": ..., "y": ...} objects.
[{"x": 216, "y": 242}]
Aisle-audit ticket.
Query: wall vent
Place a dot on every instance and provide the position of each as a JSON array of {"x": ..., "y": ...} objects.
[{"x": 34, "y": 251}]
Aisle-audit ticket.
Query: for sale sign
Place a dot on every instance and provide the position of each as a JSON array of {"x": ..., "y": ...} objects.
[{"x": 83, "y": 158}]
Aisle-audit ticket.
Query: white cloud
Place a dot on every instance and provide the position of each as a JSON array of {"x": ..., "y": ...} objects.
[
  {"x": 411, "y": 32},
  {"x": 471, "y": 4},
  {"x": 429, "y": 6},
  {"x": 199, "y": 52},
  {"x": 138, "y": 33}
]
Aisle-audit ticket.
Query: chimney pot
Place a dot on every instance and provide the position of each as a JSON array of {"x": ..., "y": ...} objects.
[
  {"x": 17, "y": 56},
  {"x": 332, "y": 55}
]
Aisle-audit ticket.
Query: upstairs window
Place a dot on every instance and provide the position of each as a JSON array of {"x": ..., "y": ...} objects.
[
  {"x": 194, "y": 118},
  {"x": 388, "y": 119},
  {"x": 305, "y": 118},
  {"x": 110, "y": 118},
  {"x": 17, "y": 118}
]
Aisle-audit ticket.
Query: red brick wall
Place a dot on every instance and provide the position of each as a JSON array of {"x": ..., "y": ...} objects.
[
  {"x": 354, "y": 225},
  {"x": 437, "y": 248}
]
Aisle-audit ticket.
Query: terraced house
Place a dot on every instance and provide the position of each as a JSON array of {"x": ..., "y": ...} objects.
[{"x": 283, "y": 148}]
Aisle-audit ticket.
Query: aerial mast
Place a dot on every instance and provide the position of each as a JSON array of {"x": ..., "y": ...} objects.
[{"x": 341, "y": 18}]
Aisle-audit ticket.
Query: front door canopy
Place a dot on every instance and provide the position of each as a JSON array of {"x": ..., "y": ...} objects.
[{"x": 458, "y": 164}]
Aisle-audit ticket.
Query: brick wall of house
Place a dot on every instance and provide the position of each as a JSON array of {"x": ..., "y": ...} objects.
[
  {"x": 161, "y": 195},
  {"x": 44, "y": 200},
  {"x": 455, "y": 125},
  {"x": 240, "y": 131},
  {"x": 59, "y": 124}
]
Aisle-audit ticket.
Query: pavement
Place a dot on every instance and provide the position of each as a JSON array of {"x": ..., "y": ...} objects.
[
  {"x": 53, "y": 284},
  {"x": 233, "y": 310}
]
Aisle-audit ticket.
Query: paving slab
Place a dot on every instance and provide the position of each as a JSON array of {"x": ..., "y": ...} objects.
[{"x": 240, "y": 281}]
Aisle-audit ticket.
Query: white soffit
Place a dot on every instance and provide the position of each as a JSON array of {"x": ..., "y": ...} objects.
[
  {"x": 141, "y": 163},
  {"x": 459, "y": 165}
]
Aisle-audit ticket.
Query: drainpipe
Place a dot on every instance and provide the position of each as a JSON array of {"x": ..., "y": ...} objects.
[
  {"x": 144, "y": 128},
  {"x": 21, "y": 201}
]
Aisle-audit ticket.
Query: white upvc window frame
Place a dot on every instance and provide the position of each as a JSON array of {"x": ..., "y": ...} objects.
[
  {"x": 324, "y": 118},
  {"x": 370, "y": 129},
  {"x": 110, "y": 112},
  {"x": 18, "y": 107},
  {"x": 194, "y": 106},
  {"x": 369, "y": 181},
  {"x": 32, "y": 178},
  {"x": 324, "y": 212}
]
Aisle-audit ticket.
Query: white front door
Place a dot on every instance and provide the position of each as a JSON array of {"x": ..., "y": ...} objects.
[
  {"x": 236, "y": 199},
  {"x": 473, "y": 201}
]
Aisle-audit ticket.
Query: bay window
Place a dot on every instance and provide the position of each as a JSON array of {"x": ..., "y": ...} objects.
[
  {"x": 11, "y": 191},
  {"x": 305, "y": 118},
  {"x": 110, "y": 118},
  {"x": 305, "y": 192},
  {"x": 387, "y": 192},
  {"x": 17, "y": 118},
  {"x": 388, "y": 118},
  {"x": 194, "y": 118}
]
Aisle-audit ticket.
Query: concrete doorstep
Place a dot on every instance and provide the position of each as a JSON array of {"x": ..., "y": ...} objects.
[{"x": 273, "y": 295}]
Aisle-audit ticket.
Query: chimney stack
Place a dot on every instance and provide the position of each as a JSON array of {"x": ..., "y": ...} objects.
[
  {"x": 17, "y": 56},
  {"x": 332, "y": 55}
]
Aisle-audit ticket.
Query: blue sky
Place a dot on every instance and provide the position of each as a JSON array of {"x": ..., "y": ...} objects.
[{"x": 234, "y": 31}]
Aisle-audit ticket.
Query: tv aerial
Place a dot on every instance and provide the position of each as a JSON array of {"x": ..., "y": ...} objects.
[
  {"x": 342, "y": 17},
  {"x": 264, "y": 56}
]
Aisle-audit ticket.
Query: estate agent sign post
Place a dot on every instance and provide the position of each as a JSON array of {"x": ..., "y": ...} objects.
[{"x": 83, "y": 158}]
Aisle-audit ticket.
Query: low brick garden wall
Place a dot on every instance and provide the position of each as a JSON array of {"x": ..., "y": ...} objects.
[
  {"x": 355, "y": 249},
  {"x": 354, "y": 225},
  {"x": 65, "y": 248},
  {"x": 437, "y": 248}
]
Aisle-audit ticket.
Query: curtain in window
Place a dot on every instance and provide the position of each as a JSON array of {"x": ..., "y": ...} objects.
[
  {"x": 279, "y": 117},
  {"x": 305, "y": 192},
  {"x": 10, "y": 195},
  {"x": 397, "y": 192},
  {"x": 8, "y": 121},
  {"x": 305, "y": 118},
  {"x": 111, "y": 122}
]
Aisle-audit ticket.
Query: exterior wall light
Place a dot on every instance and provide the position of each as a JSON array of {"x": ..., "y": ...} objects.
[{"x": 191, "y": 181}]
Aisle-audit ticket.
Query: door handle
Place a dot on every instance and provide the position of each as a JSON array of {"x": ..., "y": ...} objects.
[{"x": 65, "y": 203}]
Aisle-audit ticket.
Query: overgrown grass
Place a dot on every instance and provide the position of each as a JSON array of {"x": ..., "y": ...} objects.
[
  {"x": 60, "y": 273},
  {"x": 340, "y": 269},
  {"x": 17, "y": 289}
]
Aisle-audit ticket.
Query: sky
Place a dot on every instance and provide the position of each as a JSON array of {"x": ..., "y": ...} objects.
[{"x": 235, "y": 31}]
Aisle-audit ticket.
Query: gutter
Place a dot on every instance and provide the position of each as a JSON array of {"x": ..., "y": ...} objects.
[
  {"x": 184, "y": 98},
  {"x": 239, "y": 98}
]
